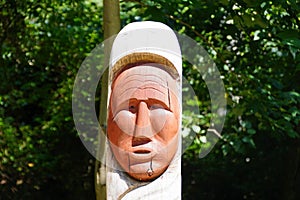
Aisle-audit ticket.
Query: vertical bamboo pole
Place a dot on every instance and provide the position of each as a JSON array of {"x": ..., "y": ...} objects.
[{"x": 111, "y": 25}]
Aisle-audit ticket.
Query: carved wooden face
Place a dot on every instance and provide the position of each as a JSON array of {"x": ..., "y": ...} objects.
[{"x": 143, "y": 122}]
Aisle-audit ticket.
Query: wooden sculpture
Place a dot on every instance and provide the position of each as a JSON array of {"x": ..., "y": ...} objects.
[{"x": 144, "y": 114}]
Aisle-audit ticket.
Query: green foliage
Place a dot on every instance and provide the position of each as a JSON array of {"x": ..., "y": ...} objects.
[
  {"x": 255, "y": 45},
  {"x": 42, "y": 46}
]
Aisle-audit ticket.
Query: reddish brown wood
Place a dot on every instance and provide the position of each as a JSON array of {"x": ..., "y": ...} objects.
[{"x": 143, "y": 121}]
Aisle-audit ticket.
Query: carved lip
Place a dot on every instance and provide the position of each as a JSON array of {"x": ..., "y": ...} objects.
[
  {"x": 142, "y": 154},
  {"x": 140, "y": 141}
]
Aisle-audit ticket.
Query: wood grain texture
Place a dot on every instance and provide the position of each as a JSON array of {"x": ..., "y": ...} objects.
[{"x": 111, "y": 23}]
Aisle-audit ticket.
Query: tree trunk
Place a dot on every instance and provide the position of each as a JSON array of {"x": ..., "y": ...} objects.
[
  {"x": 291, "y": 180},
  {"x": 111, "y": 25}
]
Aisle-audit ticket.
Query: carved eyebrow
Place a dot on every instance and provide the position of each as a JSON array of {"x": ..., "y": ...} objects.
[{"x": 153, "y": 88}]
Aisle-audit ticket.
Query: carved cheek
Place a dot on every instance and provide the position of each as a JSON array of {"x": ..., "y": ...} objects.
[
  {"x": 164, "y": 123},
  {"x": 125, "y": 120},
  {"x": 158, "y": 119},
  {"x": 170, "y": 128}
]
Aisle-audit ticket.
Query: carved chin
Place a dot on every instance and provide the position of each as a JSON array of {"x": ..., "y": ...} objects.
[
  {"x": 144, "y": 171},
  {"x": 143, "y": 166}
]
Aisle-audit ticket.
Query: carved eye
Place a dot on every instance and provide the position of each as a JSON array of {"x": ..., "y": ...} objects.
[
  {"x": 132, "y": 108},
  {"x": 156, "y": 106}
]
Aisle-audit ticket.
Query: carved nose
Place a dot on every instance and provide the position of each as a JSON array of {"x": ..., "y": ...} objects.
[
  {"x": 143, "y": 125},
  {"x": 143, "y": 115}
]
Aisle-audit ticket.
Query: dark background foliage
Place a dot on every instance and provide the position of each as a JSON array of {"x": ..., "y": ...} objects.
[{"x": 255, "y": 45}]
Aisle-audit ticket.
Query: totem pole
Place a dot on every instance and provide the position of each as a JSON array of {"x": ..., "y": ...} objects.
[{"x": 144, "y": 114}]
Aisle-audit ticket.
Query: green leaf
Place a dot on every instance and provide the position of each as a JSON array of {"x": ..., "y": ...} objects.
[
  {"x": 292, "y": 133},
  {"x": 249, "y": 140},
  {"x": 196, "y": 128},
  {"x": 291, "y": 38},
  {"x": 251, "y": 131}
]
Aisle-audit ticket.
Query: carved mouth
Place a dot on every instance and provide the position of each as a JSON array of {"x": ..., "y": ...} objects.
[
  {"x": 141, "y": 155},
  {"x": 142, "y": 151}
]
